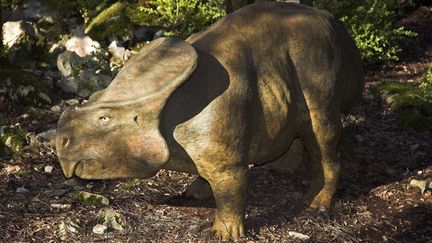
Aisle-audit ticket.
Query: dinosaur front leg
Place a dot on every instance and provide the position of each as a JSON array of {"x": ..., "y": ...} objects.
[{"x": 230, "y": 192}]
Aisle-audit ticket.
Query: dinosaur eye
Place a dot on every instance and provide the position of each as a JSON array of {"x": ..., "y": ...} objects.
[{"x": 104, "y": 119}]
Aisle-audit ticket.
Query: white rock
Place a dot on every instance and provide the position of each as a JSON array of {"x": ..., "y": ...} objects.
[
  {"x": 48, "y": 169},
  {"x": 60, "y": 206},
  {"x": 99, "y": 229},
  {"x": 298, "y": 235},
  {"x": 56, "y": 108},
  {"x": 8, "y": 142},
  {"x": 72, "y": 102},
  {"x": 82, "y": 45},
  {"x": 119, "y": 55},
  {"x": 14, "y": 32}
]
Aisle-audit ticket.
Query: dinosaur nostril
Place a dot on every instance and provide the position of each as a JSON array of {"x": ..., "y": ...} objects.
[{"x": 65, "y": 142}]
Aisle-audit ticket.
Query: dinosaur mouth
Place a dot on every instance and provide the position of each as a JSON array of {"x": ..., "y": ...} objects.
[
  {"x": 69, "y": 167},
  {"x": 74, "y": 167}
]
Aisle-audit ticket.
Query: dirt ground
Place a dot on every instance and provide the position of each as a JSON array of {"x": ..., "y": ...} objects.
[{"x": 374, "y": 202}]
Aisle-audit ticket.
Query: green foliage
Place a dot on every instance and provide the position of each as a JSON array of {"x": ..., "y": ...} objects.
[
  {"x": 426, "y": 85},
  {"x": 371, "y": 24},
  {"x": 415, "y": 120},
  {"x": 110, "y": 22},
  {"x": 412, "y": 105},
  {"x": 2, "y": 49},
  {"x": 112, "y": 11},
  {"x": 13, "y": 139},
  {"x": 12, "y": 4},
  {"x": 88, "y": 9},
  {"x": 180, "y": 17},
  {"x": 23, "y": 88}
]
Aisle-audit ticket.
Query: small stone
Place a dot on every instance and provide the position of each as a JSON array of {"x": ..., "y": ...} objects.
[
  {"x": 111, "y": 219},
  {"x": 72, "y": 102},
  {"x": 56, "y": 108},
  {"x": 48, "y": 169},
  {"x": 60, "y": 206},
  {"x": 415, "y": 147},
  {"x": 297, "y": 235},
  {"x": 100, "y": 229},
  {"x": 359, "y": 138},
  {"x": 11, "y": 169},
  {"x": 21, "y": 190}
]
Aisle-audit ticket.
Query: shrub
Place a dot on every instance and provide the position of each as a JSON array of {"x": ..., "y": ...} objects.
[
  {"x": 181, "y": 17},
  {"x": 426, "y": 85},
  {"x": 371, "y": 24}
]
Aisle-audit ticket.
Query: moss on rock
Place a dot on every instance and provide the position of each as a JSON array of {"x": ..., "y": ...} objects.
[
  {"x": 110, "y": 22},
  {"x": 413, "y": 106},
  {"x": 91, "y": 199},
  {"x": 12, "y": 141}
]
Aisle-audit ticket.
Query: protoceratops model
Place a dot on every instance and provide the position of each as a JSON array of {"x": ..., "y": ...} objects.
[{"x": 236, "y": 94}]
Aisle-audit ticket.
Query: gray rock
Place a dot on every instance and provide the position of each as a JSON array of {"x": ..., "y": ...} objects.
[
  {"x": 90, "y": 82},
  {"x": 78, "y": 76},
  {"x": 68, "y": 85},
  {"x": 21, "y": 190},
  {"x": 142, "y": 33},
  {"x": 158, "y": 34},
  {"x": 67, "y": 62},
  {"x": 45, "y": 139}
]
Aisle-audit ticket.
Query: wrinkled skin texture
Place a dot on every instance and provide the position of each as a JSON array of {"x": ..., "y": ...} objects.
[{"x": 238, "y": 93}]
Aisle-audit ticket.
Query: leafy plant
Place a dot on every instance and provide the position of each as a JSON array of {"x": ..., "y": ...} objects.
[
  {"x": 426, "y": 85},
  {"x": 180, "y": 17},
  {"x": 371, "y": 24}
]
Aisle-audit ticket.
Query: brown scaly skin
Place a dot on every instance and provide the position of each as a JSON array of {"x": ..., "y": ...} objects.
[{"x": 236, "y": 94}]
